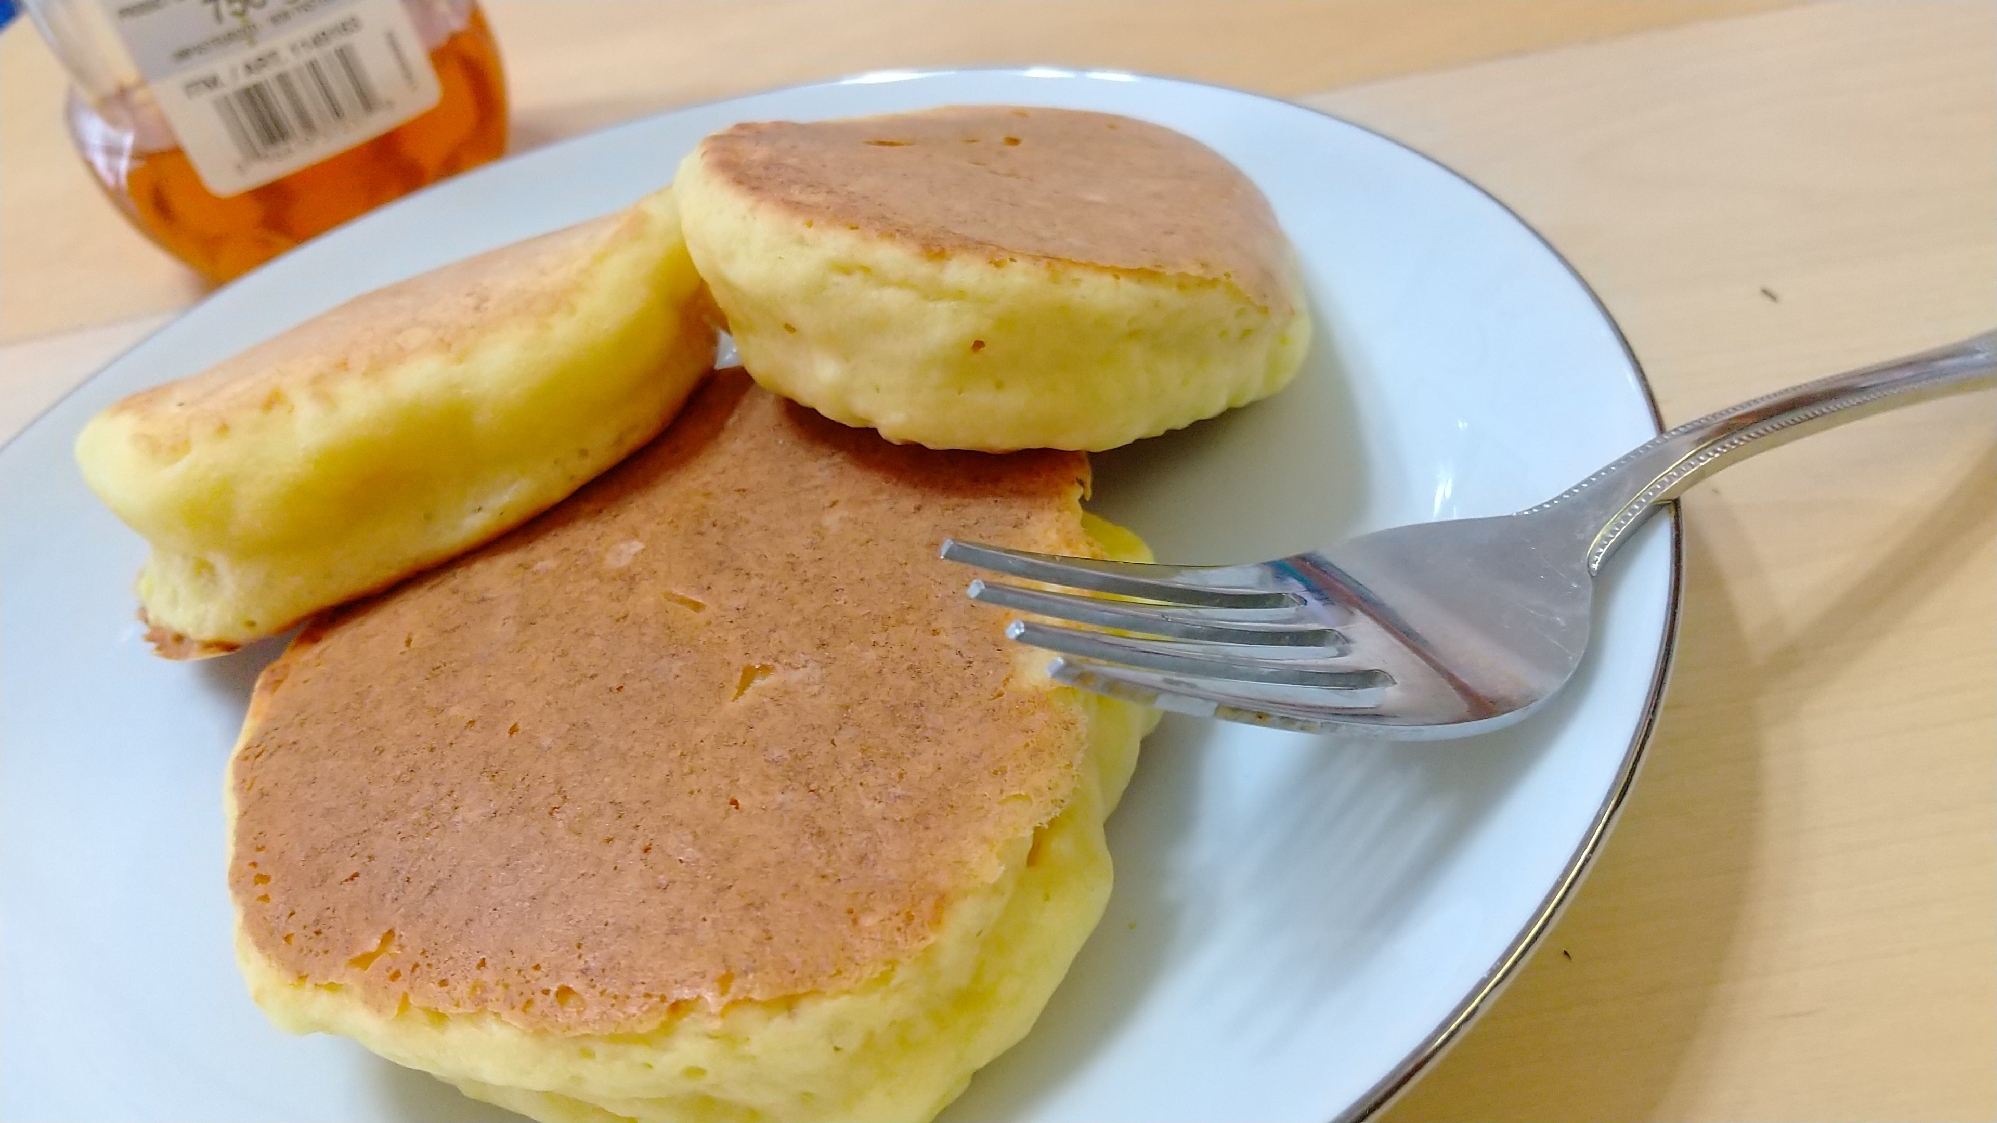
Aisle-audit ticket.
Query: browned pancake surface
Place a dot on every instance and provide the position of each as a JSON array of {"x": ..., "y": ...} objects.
[
  {"x": 718, "y": 727},
  {"x": 440, "y": 312},
  {"x": 1061, "y": 184}
]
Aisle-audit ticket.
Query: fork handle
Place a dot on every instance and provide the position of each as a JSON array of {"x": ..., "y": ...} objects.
[{"x": 1609, "y": 504}]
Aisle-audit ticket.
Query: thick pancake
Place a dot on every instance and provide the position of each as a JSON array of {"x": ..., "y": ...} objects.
[
  {"x": 716, "y": 736},
  {"x": 994, "y": 277},
  {"x": 1061, "y": 184},
  {"x": 400, "y": 428}
]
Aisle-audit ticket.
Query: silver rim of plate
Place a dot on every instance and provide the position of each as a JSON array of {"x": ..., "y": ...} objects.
[{"x": 1501, "y": 973}]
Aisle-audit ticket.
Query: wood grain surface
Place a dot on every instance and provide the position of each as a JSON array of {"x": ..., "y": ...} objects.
[{"x": 1797, "y": 917}]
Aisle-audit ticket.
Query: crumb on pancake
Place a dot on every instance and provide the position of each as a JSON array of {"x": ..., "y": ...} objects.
[{"x": 169, "y": 644}]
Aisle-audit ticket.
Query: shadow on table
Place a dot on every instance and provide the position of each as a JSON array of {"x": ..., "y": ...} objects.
[
  {"x": 1606, "y": 1046},
  {"x": 1599, "y": 1024}
]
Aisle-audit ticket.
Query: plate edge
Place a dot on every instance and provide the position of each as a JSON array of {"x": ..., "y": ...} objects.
[
  {"x": 1412, "y": 1066},
  {"x": 1404, "y": 1075}
]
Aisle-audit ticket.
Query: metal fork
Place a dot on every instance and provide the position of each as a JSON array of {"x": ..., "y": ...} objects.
[{"x": 1434, "y": 630}]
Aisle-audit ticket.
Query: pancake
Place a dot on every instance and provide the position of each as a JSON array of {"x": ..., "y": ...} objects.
[
  {"x": 995, "y": 278},
  {"x": 708, "y": 795},
  {"x": 400, "y": 428}
]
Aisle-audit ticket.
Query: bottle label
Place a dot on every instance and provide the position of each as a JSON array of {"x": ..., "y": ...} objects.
[{"x": 257, "y": 89}]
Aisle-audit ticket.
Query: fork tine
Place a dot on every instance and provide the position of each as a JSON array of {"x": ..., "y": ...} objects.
[
  {"x": 1176, "y": 658},
  {"x": 1205, "y": 699},
  {"x": 1126, "y": 579},
  {"x": 1156, "y": 620}
]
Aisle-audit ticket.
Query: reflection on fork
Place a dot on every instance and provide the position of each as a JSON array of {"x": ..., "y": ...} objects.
[{"x": 1432, "y": 630}]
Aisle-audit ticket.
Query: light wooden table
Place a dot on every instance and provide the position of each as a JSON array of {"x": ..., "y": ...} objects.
[{"x": 1797, "y": 917}]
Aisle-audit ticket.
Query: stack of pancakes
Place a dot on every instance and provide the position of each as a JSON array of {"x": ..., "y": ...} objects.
[
  {"x": 702, "y": 793},
  {"x": 708, "y": 787}
]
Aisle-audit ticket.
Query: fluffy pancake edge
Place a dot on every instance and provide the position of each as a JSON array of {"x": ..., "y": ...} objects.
[
  {"x": 970, "y": 349},
  {"x": 898, "y": 1048},
  {"x": 271, "y": 494}
]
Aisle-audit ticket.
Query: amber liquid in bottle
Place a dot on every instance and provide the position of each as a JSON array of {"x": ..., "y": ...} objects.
[{"x": 225, "y": 237}]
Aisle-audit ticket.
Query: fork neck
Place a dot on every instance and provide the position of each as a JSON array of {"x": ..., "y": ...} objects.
[{"x": 1606, "y": 506}]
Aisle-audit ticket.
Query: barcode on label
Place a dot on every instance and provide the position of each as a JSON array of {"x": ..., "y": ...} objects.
[
  {"x": 327, "y": 94},
  {"x": 287, "y": 93}
]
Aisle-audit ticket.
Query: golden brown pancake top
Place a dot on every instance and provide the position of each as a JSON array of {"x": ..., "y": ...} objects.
[
  {"x": 439, "y": 312},
  {"x": 1059, "y": 184},
  {"x": 720, "y": 726}
]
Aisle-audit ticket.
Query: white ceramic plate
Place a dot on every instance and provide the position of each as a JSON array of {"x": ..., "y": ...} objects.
[{"x": 1299, "y": 923}]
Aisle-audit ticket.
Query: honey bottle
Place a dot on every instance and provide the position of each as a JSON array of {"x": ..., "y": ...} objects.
[{"x": 229, "y": 131}]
